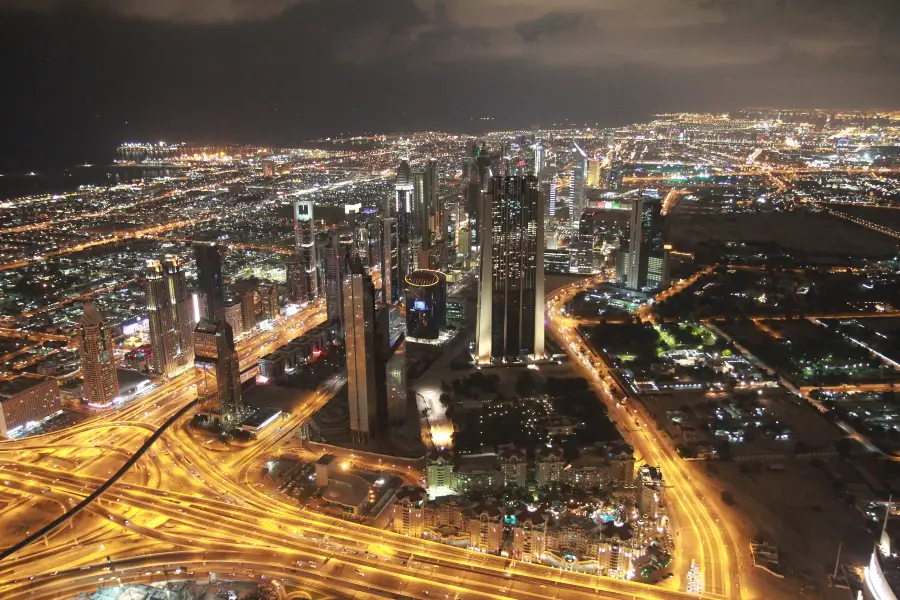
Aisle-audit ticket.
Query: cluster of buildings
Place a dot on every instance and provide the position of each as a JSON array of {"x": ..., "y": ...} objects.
[
  {"x": 614, "y": 537},
  {"x": 603, "y": 466}
]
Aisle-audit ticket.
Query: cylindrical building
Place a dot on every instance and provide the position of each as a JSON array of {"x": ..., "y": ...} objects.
[{"x": 426, "y": 304}]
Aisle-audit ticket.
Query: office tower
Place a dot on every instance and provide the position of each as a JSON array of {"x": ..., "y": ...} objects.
[
  {"x": 306, "y": 279},
  {"x": 593, "y": 179},
  {"x": 218, "y": 373},
  {"x": 334, "y": 278},
  {"x": 232, "y": 314},
  {"x": 426, "y": 305},
  {"x": 582, "y": 253},
  {"x": 539, "y": 158},
  {"x": 268, "y": 299},
  {"x": 294, "y": 273},
  {"x": 98, "y": 361},
  {"x": 510, "y": 322},
  {"x": 199, "y": 306},
  {"x": 169, "y": 308},
  {"x": 390, "y": 367},
  {"x": 429, "y": 221},
  {"x": 248, "y": 310},
  {"x": 391, "y": 285},
  {"x": 552, "y": 200},
  {"x": 402, "y": 210},
  {"x": 576, "y": 191},
  {"x": 646, "y": 266},
  {"x": 359, "y": 342},
  {"x": 209, "y": 276}
]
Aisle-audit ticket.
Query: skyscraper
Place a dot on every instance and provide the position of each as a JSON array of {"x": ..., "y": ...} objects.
[
  {"x": 402, "y": 209},
  {"x": 268, "y": 299},
  {"x": 209, "y": 276},
  {"x": 98, "y": 361},
  {"x": 334, "y": 278},
  {"x": 390, "y": 367},
  {"x": 576, "y": 192},
  {"x": 218, "y": 371},
  {"x": 539, "y": 158},
  {"x": 593, "y": 179},
  {"x": 307, "y": 285},
  {"x": 391, "y": 284},
  {"x": 646, "y": 267},
  {"x": 169, "y": 308},
  {"x": 359, "y": 341},
  {"x": 511, "y": 287},
  {"x": 248, "y": 310}
]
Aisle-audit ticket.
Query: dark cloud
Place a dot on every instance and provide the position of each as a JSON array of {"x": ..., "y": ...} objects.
[{"x": 279, "y": 71}]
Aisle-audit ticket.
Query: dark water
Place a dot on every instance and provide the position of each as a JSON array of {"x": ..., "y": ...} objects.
[{"x": 55, "y": 181}]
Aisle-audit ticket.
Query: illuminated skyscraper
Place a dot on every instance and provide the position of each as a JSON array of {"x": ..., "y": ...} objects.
[
  {"x": 98, "y": 361},
  {"x": 552, "y": 199},
  {"x": 248, "y": 311},
  {"x": 218, "y": 371},
  {"x": 539, "y": 158},
  {"x": 426, "y": 308},
  {"x": 307, "y": 283},
  {"x": 510, "y": 321},
  {"x": 391, "y": 284},
  {"x": 209, "y": 276},
  {"x": 593, "y": 179},
  {"x": 576, "y": 191},
  {"x": 334, "y": 259},
  {"x": 646, "y": 267},
  {"x": 402, "y": 209},
  {"x": 169, "y": 310},
  {"x": 359, "y": 342}
]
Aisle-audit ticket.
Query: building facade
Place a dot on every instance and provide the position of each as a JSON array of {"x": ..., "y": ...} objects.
[
  {"x": 510, "y": 320},
  {"x": 169, "y": 308},
  {"x": 209, "y": 277},
  {"x": 98, "y": 360},
  {"x": 306, "y": 279},
  {"x": 218, "y": 373}
]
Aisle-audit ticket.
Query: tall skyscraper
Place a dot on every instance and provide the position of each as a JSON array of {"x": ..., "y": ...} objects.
[
  {"x": 307, "y": 283},
  {"x": 391, "y": 284},
  {"x": 552, "y": 200},
  {"x": 540, "y": 156},
  {"x": 576, "y": 191},
  {"x": 218, "y": 371},
  {"x": 268, "y": 299},
  {"x": 402, "y": 209},
  {"x": 98, "y": 361},
  {"x": 646, "y": 267},
  {"x": 582, "y": 246},
  {"x": 593, "y": 179},
  {"x": 334, "y": 258},
  {"x": 209, "y": 276},
  {"x": 359, "y": 342},
  {"x": 248, "y": 310},
  {"x": 510, "y": 322},
  {"x": 169, "y": 307},
  {"x": 390, "y": 367}
]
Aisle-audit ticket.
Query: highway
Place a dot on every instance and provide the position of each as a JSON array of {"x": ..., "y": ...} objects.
[
  {"x": 701, "y": 536},
  {"x": 195, "y": 504}
]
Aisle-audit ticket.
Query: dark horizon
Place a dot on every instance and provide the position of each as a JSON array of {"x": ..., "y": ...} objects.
[{"x": 87, "y": 75}]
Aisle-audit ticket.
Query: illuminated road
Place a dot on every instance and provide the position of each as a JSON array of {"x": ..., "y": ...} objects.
[
  {"x": 193, "y": 502},
  {"x": 701, "y": 536}
]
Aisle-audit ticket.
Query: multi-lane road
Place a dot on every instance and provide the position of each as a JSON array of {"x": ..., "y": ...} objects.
[{"x": 190, "y": 507}]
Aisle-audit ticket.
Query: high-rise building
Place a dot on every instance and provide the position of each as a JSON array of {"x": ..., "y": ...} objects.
[
  {"x": 268, "y": 298},
  {"x": 540, "y": 156},
  {"x": 593, "y": 179},
  {"x": 552, "y": 197},
  {"x": 646, "y": 267},
  {"x": 248, "y": 310},
  {"x": 334, "y": 260},
  {"x": 510, "y": 321},
  {"x": 233, "y": 315},
  {"x": 218, "y": 373},
  {"x": 170, "y": 316},
  {"x": 307, "y": 285},
  {"x": 582, "y": 252},
  {"x": 391, "y": 284},
  {"x": 576, "y": 191},
  {"x": 426, "y": 308},
  {"x": 209, "y": 276},
  {"x": 402, "y": 209},
  {"x": 359, "y": 342},
  {"x": 425, "y": 194},
  {"x": 98, "y": 361}
]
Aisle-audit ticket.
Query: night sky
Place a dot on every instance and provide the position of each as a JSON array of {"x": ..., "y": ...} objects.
[{"x": 82, "y": 76}]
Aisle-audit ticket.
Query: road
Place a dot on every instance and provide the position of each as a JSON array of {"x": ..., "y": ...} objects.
[{"x": 702, "y": 536}]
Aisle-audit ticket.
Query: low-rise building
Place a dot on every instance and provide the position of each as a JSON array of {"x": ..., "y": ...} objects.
[{"x": 408, "y": 511}]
